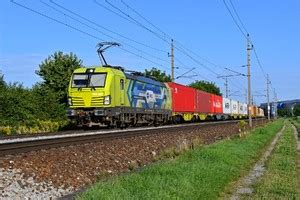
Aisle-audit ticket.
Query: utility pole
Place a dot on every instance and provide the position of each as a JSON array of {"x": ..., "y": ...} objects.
[
  {"x": 172, "y": 61},
  {"x": 226, "y": 84},
  {"x": 246, "y": 97},
  {"x": 268, "y": 97},
  {"x": 226, "y": 80},
  {"x": 249, "y": 48},
  {"x": 275, "y": 106}
]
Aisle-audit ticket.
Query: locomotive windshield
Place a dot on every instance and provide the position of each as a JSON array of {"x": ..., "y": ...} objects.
[{"x": 88, "y": 80}]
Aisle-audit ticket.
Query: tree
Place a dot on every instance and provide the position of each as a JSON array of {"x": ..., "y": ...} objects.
[
  {"x": 206, "y": 86},
  {"x": 56, "y": 71},
  {"x": 17, "y": 105},
  {"x": 296, "y": 110},
  {"x": 48, "y": 104},
  {"x": 284, "y": 112},
  {"x": 159, "y": 75},
  {"x": 2, "y": 82}
]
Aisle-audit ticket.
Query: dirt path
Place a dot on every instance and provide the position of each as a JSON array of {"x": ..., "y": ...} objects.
[{"x": 244, "y": 185}]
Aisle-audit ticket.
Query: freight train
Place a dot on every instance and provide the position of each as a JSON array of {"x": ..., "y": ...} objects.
[{"x": 109, "y": 96}]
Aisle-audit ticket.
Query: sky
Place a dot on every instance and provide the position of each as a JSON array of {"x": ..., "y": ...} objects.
[{"x": 204, "y": 29}]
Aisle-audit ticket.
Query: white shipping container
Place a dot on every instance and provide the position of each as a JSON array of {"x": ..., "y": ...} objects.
[
  {"x": 234, "y": 107},
  {"x": 226, "y": 106},
  {"x": 245, "y": 109},
  {"x": 261, "y": 112},
  {"x": 241, "y": 108}
]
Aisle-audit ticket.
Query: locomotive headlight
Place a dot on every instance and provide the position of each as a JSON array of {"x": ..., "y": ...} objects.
[
  {"x": 69, "y": 101},
  {"x": 106, "y": 100}
]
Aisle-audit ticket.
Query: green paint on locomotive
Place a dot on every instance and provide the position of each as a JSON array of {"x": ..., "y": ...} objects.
[{"x": 109, "y": 87}]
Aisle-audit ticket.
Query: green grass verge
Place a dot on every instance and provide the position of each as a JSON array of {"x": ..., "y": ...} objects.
[
  {"x": 296, "y": 122},
  {"x": 202, "y": 173},
  {"x": 280, "y": 180}
]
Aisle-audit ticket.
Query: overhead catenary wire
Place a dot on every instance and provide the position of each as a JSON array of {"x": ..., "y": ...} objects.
[
  {"x": 79, "y": 30},
  {"x": 112, "y": 11},
  {"x": 234, "y": 20},
  {"x": 244, "y": 33},
  {"x": 187, "y": 52},
  {"x": 144, "y": 18},
  {"x": 55, "y": 20},
  {"x": 137, "y": 22},
  {"x": 179, "y": 46},
  {"x": 139, "y": 50},
  {"x": 165, "y": 34},
  {"x": 238, "y": 16},
  {"x": 97, "y": 29},
  {"x": 182, "y": 49},
  {"x": 92, "y": 22},
  {"x": 87, "y": 33},
  {"x": 157, "y": 28},
  {"x": 259, "y": 63},
  {"x": 243, "y": 30},
  {"x": 155, "y": 33},
  {"x": 107, "y": 29}
]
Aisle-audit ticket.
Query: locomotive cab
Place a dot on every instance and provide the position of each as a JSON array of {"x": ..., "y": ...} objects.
[{"x": 94, "y": 92}]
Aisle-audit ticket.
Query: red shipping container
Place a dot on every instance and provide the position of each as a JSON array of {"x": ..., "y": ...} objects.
[
  {"x": 216, "y": 103},
  {"x": 183, "y": 98},
  {"x": 202, "y": 102}
]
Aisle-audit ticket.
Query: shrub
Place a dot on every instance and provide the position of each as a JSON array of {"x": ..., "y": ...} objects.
[{"x": 5, "y": 130}]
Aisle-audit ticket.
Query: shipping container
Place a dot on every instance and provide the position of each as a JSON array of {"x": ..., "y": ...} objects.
[
  {"x": 234, "y": 107},
  {"x": 226, "y": 106},
  {"x": 255, "y": 111},
  {"x": 261, "y": 113},
  {"x": 252, "y": 111},
  {"x": 241, "y": 108},
  {"x": 202, "y": 102},
  {"x": 183, "y": 98},
  {"x": 216, "y": 103},
  {"x": 245, "y": 109},
  {"x": 258, "y": 112}
]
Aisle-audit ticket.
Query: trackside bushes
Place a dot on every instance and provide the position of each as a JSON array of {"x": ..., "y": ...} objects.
[
  {"x": 38, "y": 126},
  {"x": 202, "y": 173}
]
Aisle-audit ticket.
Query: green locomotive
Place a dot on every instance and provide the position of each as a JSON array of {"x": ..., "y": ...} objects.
[{"x": 109, "y": 96}]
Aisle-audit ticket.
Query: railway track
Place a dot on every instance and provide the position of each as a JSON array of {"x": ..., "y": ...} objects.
[{"x": 26, "y": 144}]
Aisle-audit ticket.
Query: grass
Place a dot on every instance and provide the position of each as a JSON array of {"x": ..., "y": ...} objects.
[
  {"x": 202, "y": 173},
  {"x": 296, "y": 122},
  {"x": 280, "y": 180}
]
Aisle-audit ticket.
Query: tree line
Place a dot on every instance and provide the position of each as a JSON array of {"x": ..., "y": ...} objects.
[{"x": 42, "y": 107}]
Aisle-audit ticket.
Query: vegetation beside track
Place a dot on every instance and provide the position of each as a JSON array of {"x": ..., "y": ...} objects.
[
  {"x": 34, "y": 127},
  {"x": 41, "y": 108},
  {"x": 296, "y": 122},
  {"x": 201, "y": 173},
  {"x": 281, "y": 179}
]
